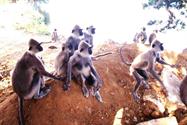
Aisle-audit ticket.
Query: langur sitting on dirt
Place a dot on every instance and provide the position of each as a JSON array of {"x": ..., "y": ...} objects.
[
  {"x": 81, "y": 67},
  {"x": 67, "y": 50},
  {"x": 27, "y": 77}
]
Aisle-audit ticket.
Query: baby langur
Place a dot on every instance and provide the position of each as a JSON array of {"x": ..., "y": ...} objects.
[
  {"x": 67, "y": 50},
  {"x": 62, "y": 60},
  {"x": 89, "y": 35},
  {"x": 27, "y": 77},
  {"x": 81, "y": 67},
  {"x": 145, "y": 62}
]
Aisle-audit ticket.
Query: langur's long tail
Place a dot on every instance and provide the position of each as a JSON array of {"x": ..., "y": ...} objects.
[
  {"x": 21, "y": 112},
  {"x": 122, "y": 58},
  {"x": 103, "y": 54}
]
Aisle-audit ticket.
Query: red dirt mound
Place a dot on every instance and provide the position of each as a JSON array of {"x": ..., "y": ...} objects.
[{"x": 72, "y": 108}]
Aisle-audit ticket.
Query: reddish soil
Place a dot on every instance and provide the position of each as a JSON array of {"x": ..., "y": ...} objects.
[{"x": 72, "y": 108}]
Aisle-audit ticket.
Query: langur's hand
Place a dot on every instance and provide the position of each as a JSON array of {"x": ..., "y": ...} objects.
[
  {"x": 99, "y": 85},
  {"x": 66, "y": 86}
]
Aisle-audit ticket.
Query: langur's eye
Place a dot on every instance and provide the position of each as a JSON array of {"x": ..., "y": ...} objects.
[{"x": 81, "y": 50}]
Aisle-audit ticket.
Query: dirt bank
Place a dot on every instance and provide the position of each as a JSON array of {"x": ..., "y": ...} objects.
[{"x": 72, "y": 108}]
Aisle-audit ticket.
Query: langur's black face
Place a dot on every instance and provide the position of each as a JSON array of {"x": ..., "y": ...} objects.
[
  {"x": 90, "y": 50},
  {"x": 158, "y": 46},
  {"x": 86, "y": 50},
  {"x": 80, "y": 32},
  {"x": 161, "y": 47},
  {"x": 39, "y": 47},
  {"x": 93, "y": 30}
]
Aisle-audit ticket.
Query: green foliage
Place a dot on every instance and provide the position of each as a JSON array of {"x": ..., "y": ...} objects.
[
  {"x": 32, "y": 22},
  {"x": 166, "y": 3},
  {"x": 151, "y": 2},
  {"x": 174, "y": 21}
]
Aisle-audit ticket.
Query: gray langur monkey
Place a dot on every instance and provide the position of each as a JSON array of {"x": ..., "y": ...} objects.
[
  {"x": 62, "y": 60},
  {"x": 141, "y": 36},
  {"x": 68, "y": 49},
  {"x": 88, "y": 36},
  {"x": 81, "y": 67},
  {"x": 74, "y": 40},
  {"x": 145, "y": 62},
  {"x": 27, "y": 77},
  {"x": 152, "y": 36},
  {"x": 54, "y": 36}
]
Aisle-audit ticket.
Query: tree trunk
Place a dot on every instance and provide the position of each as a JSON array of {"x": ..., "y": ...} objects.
[{"x": 13, "y": 1}]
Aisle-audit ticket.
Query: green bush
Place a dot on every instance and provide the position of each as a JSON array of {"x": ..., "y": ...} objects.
[{"x": 32, "y": 22}]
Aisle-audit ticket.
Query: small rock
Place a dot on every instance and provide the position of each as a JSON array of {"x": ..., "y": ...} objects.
[
  {"x": 90, "y": 110},
  {"x": 162, "y": 121},
  {"x": 1, "y": 77},
  {"x": 112, "y": 93},
  {"x": 127, "y": 121},
  {"x": 153, "y": 104},
  {"x": 142, "y": 119},
  {"x": 128, "y": 115},
  {"x": 126, "y": 108},
  {"x": 135, "y": 119},
  {"x": 77, "y": 107},
  {"x": 156, "y": 114}
]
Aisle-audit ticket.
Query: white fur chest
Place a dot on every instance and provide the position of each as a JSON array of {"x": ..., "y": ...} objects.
[{"x": 85, "y": 70}]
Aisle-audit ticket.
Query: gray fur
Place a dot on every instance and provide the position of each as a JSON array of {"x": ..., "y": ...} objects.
[
  {"x": 81, "y": 67},
  {"x": 67, "y": 50}
]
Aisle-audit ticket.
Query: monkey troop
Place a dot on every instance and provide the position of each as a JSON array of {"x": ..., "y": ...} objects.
[{"x": 75, "y": 62}]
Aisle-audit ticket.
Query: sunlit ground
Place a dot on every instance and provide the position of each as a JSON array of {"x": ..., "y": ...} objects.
[{"x": 116, "y": 20}]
